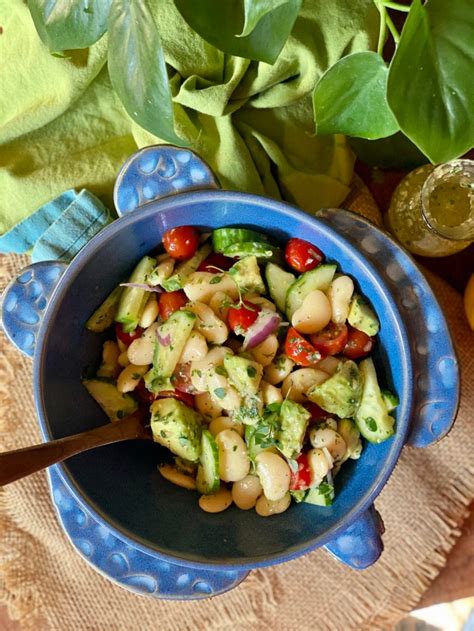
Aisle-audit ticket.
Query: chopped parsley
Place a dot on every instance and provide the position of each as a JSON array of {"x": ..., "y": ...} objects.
[
  {"x": 251, "y": 371},
  {"x": 220, "y": 393}
]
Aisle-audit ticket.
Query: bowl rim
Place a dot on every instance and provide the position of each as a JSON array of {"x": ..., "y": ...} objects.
[{"x": 280, "y": 207}]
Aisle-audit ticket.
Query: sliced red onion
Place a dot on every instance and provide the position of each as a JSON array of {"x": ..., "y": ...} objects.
[
  {"x": 164, "y": 340},
  {"x": 267, "y": 322},
  {"x": 144, "y": 286}
]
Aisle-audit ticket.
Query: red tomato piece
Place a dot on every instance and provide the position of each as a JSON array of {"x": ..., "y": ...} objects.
[
  {"x": 299, "y": 349},
  {"x": 127, "y": 338},
  {"x": 301, "y": 479},
  {"x": 181, "y": 243},
  {"x": 359, "y": 344},
  {"x": 216, "y": 262},
  {"x": 185, "y": 397},
  {"x": 331, "y": 340},
  {"x": 302, "y": 255},
  {"x": 182, "y": 378},
  {"x": 317, "y": 413},
  {"x": 171, "y": 301},
  {"x": 240, "y": 318},
  {"x": 143, "y": 394}
]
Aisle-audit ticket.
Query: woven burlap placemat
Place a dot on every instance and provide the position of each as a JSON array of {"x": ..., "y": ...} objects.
[{"x": 47, "y": 586}]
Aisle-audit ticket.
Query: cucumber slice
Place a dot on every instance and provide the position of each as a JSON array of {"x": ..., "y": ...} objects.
[
  {"x": 278, "y": 282},
  {"x": 171, "y": 338},
  {"x": 104, "y": 316},
  {"x": 222, "y": 238},
  {"x": 321, "y": 495},
  {"x": 207, "y": 480},
  {"x": 115, "y": 404},
  {"x": 318, "y": 278},
  {"x": 391, "y": 400},
  {"x": 251, "y": 248},
  {"x": 133, "y": 299},
  {"x": 185, "y": 269},
  {"x": 372, "y": 418}
]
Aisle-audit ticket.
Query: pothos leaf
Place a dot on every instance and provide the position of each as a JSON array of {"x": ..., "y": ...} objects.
[
  {"x": 350, "y": 98},
  {"x": 137, "y": 68},
  {"x": 254, "y": 10},
  {"x": 429, "y": 89},
  {"x": 69, "y": 24},
  {"x": 218, "y": 22}
]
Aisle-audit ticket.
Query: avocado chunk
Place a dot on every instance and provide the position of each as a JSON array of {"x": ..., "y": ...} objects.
[
  {"x": 340, "y": 394},
  {"x": 372, "y": 418},
  {"x": 391, "y": 400},
  {"x": 244, "y": 374},
  {"x": 294, "y": 421},
  {"x": 171, "y": 338},
  {"x": 177, "y": 427},
  {"x": 351, "y": 436},
  {"x": 362, "y": 317},
  {"x": 249, "y": 412},
  {"x": 246, "y": 274},
  {"x": 115, "y": 404},
  {"x": 184, "y": 270}
]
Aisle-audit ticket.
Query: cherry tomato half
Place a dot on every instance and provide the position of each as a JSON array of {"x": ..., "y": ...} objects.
[
  {"x": 171, "y": 301},
  {"x": 299, "y": 349},
  {"x": 215, "y": 262},
  {"x": 143, "y": 394},
  {"x": 181, "y": 243},
  {"x": 127, "y": 338},
  {"x": 359, "y": 344},
  {"x": 240, "y": 318},
  {"x": 317, "y": 413},
  {"x": 185, "y": 397},
  {"x": 331, "y": 340},
  {"x": 301, "y": 479},
  {"x": 182, "y": 378},
  {"x": 302, "y": 255}
]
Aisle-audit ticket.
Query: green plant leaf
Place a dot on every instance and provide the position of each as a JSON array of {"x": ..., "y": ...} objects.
[
  {"x": 69, "y": 24},
  {"x": 218, "y": 21},
  {"x": 137, "y": 68},
  {"x": 350, "y": 98},
  {"x": 254, "y": 10},
  {"x": 430, "y": 88}
]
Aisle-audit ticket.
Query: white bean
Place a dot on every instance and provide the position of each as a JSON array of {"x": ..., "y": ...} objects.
[
  {"x": 330, "y": 439},
  {"x": 173, "y": 475},
  {"x": 207, "y": 323},
  {"x": 123, "y": 359},
  {"x": 340, "y": 293},
  {"x": 270, "y": 394},
  {"x": 234, "y": 463},
  {"x": 194, "y": 349},
  {"x": 314, "y": 314},
  {"x": 129, "y": 377},
  {"x": 246, "y": 492},
  {"x": 280, "y": 368},
  {"x": 265, "y": 507},
  {"x": 262, "y": 302},
  {"x": 274, "y": 475},
  {"x": 222, "y": 392},
  {"x": 110, "y": 356},
  {"x": 150, "y": 313},
  {"x": 217, "y": 502},
  {"x": 265, "y": 352},
  {"x": 201, "y": 368},
  {"x": 329, "y": 364},
  {"x": 140, "y": 352},
  {"x": 201, "y": 286},
  {"x": 206, "y": 405},
  {"x": 318, "y": 465},
  {"x": 220, "y": 423},
  {"x": 220, "y": 304},
  {"x": 163, "y": 270},
  {"x": 300, "y": 381}
]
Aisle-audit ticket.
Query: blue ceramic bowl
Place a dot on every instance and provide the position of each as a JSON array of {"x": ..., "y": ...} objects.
[{"x": 120, "y": 485}]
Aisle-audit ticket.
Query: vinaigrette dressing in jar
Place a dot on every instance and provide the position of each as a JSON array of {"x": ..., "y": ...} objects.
[{"x": 432, "y": 209}]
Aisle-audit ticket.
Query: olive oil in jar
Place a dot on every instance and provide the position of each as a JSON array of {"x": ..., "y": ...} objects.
[{"x": 432, "y": 209}]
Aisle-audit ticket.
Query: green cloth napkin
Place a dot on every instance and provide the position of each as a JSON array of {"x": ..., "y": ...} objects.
[{"x": 62, "y": 126}]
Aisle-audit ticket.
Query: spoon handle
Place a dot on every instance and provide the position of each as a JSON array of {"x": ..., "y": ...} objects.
[{"x": 22, "y": 462}]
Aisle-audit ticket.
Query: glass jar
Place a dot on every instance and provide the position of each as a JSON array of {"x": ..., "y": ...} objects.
[{"x": 432, "y": 209}]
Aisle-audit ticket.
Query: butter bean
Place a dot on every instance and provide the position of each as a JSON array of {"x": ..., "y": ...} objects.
[
  {"x": 246, "y": 492},
  {"x": 339, "y": 294},
  {"x": 129, "y": 377},
  {"x": 265, "y": 352},
  {"x": 173, "y": 475},
  {"x": 314, "y": 314},
  {"x": 274, "y": 475},
  {"x": 150, "y": 313},
  {"x": 221, "y": 423},
  {"x": 234, "y": 463},
  {"x": 217, "y": 502},
  {"x": 279, "y": 369},
  {"x": 266, "y": 508},
  {"x": 140, "y": 352},
  {"x": 300, "y": 381},
  {"x": 195, "y": 348}
]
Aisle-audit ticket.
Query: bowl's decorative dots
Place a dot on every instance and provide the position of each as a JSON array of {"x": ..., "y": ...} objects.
[
  {"x": 202, "y": 587},
  {"x": 370, "y": 244},
  {"x": 143, "y": 583},
  {"x": 118, "y": 563},
  {"x": 448, "y": 369},
  {"x": 394, "y": 271},
  {"x": 85, "y": 546}
]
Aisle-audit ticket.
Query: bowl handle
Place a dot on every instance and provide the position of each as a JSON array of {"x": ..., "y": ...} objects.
[
  {"x": 360, "y": 545},
  {"x": 160, "y": 171},
  {"x": 24, "y": 302}
]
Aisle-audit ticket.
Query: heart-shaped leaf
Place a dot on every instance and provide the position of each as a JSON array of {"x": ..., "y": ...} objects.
[
  {"x": 350, "y": 98},
  {"x": 254, "y": 10},
  {"x": 137, "y": 68},
  {"x": 430, "y": 88},
  {"x": 69, "y": 24},
  {"x": 218, "y": 21}
]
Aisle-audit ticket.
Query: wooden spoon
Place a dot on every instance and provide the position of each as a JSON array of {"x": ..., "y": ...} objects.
[{"x": 22, "y": 462}]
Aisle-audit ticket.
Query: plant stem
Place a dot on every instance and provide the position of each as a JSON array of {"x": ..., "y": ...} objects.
[
  {"x": 396, "y": 6},
  {"x": 392, "y": 28},
  {"x": 383, "y": 26}
]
